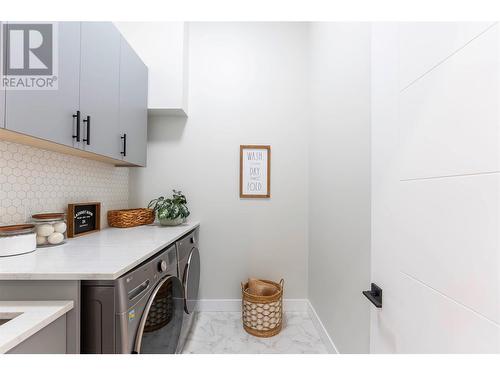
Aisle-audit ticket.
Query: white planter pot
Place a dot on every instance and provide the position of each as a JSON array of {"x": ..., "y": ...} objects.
[{"x": 170, "y": 222}]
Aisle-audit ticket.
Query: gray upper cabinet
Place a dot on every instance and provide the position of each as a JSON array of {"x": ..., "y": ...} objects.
[
  {"x": 48, "y": 114},
  {"x": 99, "y": 104},
  {"x": 133, "y": 105},
  {"x": 2, "y": 108},
  {"x": 2, "y": 91},
  {"x": 99, "y": 88}
]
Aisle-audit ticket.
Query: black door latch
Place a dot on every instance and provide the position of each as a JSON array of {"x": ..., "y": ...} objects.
[{"x": 374, "y": 295}]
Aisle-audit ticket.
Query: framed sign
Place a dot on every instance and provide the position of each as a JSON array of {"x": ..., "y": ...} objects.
[
  {"x": 255, "y": 171},
  {"x": 83, "y": 218}
]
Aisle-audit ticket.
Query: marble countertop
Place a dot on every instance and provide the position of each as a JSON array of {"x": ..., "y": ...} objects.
[
  {"x": 25, "y": 318},
  {"x": 104, "y": 255}
]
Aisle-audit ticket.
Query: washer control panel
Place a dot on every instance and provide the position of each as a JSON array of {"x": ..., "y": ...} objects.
[{"x": 162, "y": 266}]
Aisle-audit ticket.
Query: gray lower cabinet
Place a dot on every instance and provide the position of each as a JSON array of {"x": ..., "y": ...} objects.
[
  {"x": 99, "y": 88},
  {"x": 49, "y": 340},
  {"x": 133, "y": 105},
  {"x": 48, "y": 114}
]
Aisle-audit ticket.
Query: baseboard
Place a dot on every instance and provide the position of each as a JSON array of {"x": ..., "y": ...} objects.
[
  {"x": 318, "y": 324},
  {"x": 214, "y": 305},
  {"x": 293, "y": 305}
]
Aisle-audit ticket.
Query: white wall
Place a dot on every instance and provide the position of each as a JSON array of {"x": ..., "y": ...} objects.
[
  {"x": 339, "y": 181},
  {"x": 248, "y": 85},
  {"x": 435, "y": 197}
]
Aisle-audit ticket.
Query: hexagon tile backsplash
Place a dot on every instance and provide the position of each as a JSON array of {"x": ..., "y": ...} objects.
[{"x": 34, "y": 180}]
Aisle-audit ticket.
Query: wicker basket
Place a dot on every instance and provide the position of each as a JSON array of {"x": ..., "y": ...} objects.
[
  {"x": 262, "y": 315},
  {"x": 130, "y": 218}
]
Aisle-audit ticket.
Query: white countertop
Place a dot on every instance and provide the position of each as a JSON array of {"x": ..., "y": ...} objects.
[
  {"x": 104, "y": 255},
  {"x": 27, "y": 318}
]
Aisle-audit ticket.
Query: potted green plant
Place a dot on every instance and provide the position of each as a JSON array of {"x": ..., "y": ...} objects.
[{"x": 170, "y": 211}]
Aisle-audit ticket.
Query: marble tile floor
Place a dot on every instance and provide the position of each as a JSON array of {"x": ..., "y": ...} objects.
[{"x": 222, "y": 333}]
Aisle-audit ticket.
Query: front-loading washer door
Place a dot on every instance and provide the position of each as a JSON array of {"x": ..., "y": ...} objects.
[
  {"x": 161, "y": 321},
  {"x": 191, "y": 280}
]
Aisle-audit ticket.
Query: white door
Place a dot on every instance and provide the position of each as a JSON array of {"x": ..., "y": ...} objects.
[{"x": 435, "y": 187}]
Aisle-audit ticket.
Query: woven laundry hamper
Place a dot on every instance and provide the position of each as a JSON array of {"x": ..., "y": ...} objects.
[{"x": 262, "y": 315}]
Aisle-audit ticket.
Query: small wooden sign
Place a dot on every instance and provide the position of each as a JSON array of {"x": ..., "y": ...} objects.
[
  {"x": 255, "y": 171},
  {"x": 83, "y": 218}
]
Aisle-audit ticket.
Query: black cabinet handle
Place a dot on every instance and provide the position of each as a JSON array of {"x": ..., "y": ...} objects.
[
  {"x": 87, "y": 121},
  {"x": 374, "y": 295},
  {"x": 77, "y": 116},
  {"x": 124, "y": 137}
]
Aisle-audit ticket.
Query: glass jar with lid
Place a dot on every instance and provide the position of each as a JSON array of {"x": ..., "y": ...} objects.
[
  {"x": 17, "y": 239},
  {"x": 50, "y": 229}
]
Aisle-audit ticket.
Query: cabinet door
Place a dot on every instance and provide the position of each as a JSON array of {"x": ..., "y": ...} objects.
[
  {"x": 2, "y": 90},
  {"x": 2, "y": 108},
  {"x": 167, "y": 64},
  {"x": 133, "y": 104},
  {"x": 48, "y": 114},
  {"x": 99, "y": 88}
]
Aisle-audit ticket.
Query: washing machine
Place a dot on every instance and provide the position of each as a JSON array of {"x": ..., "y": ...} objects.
[
  {"x": 141, "y": 312},
  {"x": 188, "y": 256}
]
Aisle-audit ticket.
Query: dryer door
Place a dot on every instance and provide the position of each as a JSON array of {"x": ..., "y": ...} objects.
[
  {"x": 161, "y": 322},
  {"x": 191, "y": 280}
]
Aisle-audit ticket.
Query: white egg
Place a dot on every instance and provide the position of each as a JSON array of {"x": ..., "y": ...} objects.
[
  {"x": 41, "y": 240},
  {"x": 56, "y": 238},
  {"x": 44, "y": 230},
  {"x": 60, "y": 227}
]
